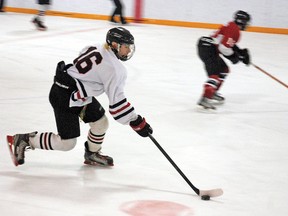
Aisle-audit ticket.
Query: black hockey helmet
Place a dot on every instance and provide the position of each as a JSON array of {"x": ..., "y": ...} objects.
[
  {"x": 242, "y": 19},
  {"x": 121, "y": 36}
]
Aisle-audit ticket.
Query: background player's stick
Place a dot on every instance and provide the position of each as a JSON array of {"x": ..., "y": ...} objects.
[
  {"x": 210, "y": 193},
  {"x": 279, "y": 81}
]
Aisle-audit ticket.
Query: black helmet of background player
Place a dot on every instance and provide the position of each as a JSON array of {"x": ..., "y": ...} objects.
[
  {"x": 242, "y": 19},
  {"x": 122, "y": 37}
]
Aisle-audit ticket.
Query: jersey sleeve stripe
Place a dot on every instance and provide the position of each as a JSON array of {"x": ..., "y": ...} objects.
[
  {"x": 81, "y": 94},
  {"x": 118, "y": 104},
  {"x": 123, "y": 114},
  {"x": 119, "y": 110},
  {"x": 82, "y": 89}
]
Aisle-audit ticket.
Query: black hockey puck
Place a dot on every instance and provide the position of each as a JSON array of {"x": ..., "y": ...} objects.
[{"x": 205, "y": 197}]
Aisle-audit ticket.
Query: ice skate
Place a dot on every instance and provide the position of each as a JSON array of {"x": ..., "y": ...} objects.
[
  {"x": 206, "y": 104},
  {"x": 123, "y": 21},
  {"x": 96, "y": 158},
  {"x": 112, "y": 20},
  {"x": 218, "y": 98},
  {"x": 39, "y": 24},
  {"x": 17, "y": 145}
]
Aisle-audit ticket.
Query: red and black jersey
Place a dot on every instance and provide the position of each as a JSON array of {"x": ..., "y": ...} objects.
[{"x": 226, "y": 37}]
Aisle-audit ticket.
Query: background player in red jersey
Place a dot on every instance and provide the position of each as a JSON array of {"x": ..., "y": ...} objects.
[
  {"x": 211, "y": 49},
  {"x": 39, "y": 18}
]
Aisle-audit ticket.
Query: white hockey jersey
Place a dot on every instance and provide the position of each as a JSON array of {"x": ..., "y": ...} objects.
[{"x": 98, "y": 70}]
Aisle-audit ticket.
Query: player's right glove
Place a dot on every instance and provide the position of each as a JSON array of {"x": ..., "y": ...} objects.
[{"x": 141, "y": 126}]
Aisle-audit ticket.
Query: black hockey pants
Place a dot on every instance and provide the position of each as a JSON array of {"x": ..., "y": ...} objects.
[
  {"x": 67, "y": 118},
  {"x": 209, "y": 54}
]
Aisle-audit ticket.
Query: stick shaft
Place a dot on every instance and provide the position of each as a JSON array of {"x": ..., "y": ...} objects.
[
  {"x": 263, "y": 71},
  {"x": 195, "y": 189}
]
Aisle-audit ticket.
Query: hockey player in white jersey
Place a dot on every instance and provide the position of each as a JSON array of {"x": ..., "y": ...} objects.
[{"x": 96, "y": 70}]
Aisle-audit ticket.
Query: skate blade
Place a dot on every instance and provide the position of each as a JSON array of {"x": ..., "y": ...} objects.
[
  {"x": 87, "y": 162},
  {"x": 10, "y": 142},
  {"x": 202, "y": 109},
  {"x": 217, "y": 103},
  {"x": 37, "y": 27}
]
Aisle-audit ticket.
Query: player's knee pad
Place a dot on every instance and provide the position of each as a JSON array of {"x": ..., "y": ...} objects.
[
  {"x": 100, "y": 126},
  {"x": 67, "y": 144}
]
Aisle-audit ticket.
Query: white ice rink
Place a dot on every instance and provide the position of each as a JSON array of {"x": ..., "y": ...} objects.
[{"x": 242, "y": 148}]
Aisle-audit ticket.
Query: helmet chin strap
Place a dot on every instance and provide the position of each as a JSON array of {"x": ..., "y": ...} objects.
[
  {"x": 117, "y": 50},
  {"x": 118, "y": 47},
  {"x": 243, "y": 26}
]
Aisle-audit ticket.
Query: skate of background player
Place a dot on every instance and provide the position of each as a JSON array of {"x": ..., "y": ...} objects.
[{"x": 244, "y": 151}]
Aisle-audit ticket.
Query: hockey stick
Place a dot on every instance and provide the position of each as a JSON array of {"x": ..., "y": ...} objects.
[
  {"x": 279, "y": 81},
  {"x": 211, "y": 193}
]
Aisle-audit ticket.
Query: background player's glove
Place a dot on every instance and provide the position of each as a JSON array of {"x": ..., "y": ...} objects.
[
  {"x": 244, "y": 56},
  {"x": 234, "y": 58},
  {"x": 141, "y": 126}
]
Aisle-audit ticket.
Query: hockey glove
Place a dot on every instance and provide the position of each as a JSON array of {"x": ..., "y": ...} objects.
[
  {"x": 244, "y": 56},
  {"x": 234, "y": 58},
  {"x": 141, "y": 126},
  {"x": 62, "y": 78},
  {"x": 236, "y": 48}
]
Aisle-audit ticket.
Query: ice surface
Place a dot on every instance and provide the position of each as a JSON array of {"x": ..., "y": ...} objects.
[{"x": 242, "y": 148}]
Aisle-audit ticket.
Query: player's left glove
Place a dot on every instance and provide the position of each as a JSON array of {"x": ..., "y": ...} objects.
[
  {"x": 234, "y": 58},
  {"x": 141, "y": 126},
  {"x": 244, "y": 56}
]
